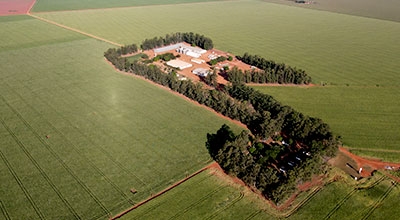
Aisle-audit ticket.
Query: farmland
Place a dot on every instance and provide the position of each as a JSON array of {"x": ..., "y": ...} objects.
[
  {"x": 203, "y": 197},
  {"x": 385, "y": 9},
  {"x": 78, "y": 134},
  {"x": 59, "y": 5},
  {"x": 362, "y": 74},
  {"x": 209, "y": 196}
]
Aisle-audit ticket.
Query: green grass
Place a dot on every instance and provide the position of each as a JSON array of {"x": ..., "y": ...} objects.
[
  {"x": 385, "y": 9},
  {"x": 135, "y": 57},
  {"x": 58, "y": 5},
  {"x": 106, "y": 132}
]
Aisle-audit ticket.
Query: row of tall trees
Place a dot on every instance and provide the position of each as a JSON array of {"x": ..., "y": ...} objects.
[
  {"x": 270, "y": 72},
  {"x": 188, "y": 37}
]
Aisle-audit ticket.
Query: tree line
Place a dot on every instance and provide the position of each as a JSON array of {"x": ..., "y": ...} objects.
[
  {"x": 231, "y": 152},
  {"x": 269, "y": 72},
  {"x": 188, "y": 37}
]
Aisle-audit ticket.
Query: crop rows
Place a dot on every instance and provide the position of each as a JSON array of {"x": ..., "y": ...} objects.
[{"x": 360, "y": 101}]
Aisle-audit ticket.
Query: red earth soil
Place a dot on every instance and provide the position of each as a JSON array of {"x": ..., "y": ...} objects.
[
  {"x": 15, "y": 7},
  {"x": 369, "y": 165}
]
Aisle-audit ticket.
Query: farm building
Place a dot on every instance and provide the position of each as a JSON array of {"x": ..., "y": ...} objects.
[
  {"x": 201, "y": 72},
  {"x": 168, "y": 48},
  {"x": 191, "y": 51},
  {"x": 198, "y": 61},
  {"x": 179, "y": 64}
]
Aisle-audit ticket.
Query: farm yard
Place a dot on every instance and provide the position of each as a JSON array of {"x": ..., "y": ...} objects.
[{"x": 81, "y": 141}]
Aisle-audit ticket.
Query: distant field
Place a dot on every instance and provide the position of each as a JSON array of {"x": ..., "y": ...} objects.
[
  {"x": 366, "y": 117},
  {"x": 355, "y": 56},
  {"x": 76, "y": 136},
  {"x": 383, "y": 9},
  {"x": 333, "y": 48},
  {"x": 59, "y": 5}
]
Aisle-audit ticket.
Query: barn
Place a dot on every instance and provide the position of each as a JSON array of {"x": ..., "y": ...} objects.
[{"x": 179, "y": 64}]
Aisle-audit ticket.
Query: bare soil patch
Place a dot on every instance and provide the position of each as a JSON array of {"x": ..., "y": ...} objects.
[
  {"x": 15, "y": 7},
  {"x": 369, "y": 165}
]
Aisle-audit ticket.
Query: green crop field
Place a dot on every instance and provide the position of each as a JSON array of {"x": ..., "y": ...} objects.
[
  {"x": 355, "y": 56},
  {"x": 59, "y": 5},
  {"x": 204, "y": 196},
  {"x": 76, "y": 135},
  {"x": 333, "y": 48},
  {"x": 384, "y": 9},
  {"x": 340, "y": 200},
  {"x": 366, "y": 117}
]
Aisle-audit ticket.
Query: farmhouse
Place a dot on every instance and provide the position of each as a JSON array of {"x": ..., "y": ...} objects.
[
  {"x": 179, "y": 64},
  {"x": 201, "y": 72}
]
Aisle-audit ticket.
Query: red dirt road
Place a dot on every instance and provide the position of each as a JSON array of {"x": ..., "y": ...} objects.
[
  {"x": 369, "y": 165},
  {"x": 15, "y": 7}
]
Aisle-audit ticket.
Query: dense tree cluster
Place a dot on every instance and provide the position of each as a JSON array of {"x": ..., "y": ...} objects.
[
  {"x": 165, "y": 57},
  {"x": 269, "y": 72},
  {"x": 217, "y": 60},
  {"x": 247, "y": 156},
  {"x": 189, "y": 37},
  {"x": 236, "y": 154}
]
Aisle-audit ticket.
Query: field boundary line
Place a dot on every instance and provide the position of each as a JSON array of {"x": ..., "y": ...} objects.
[
  {"x": 31, "y": 6},
  {"x": 74, "y": 30},
  {"x": 4, "y": 211},
  {"x": 162, "y": 192}
]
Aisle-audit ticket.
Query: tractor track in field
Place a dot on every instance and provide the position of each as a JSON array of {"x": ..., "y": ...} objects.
[
  {"x": 74, "y": 30},
  {"x": 53, "y": 153},
  {"x": 162, "y": 192},
  {"x": 4, "y": 211}
]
